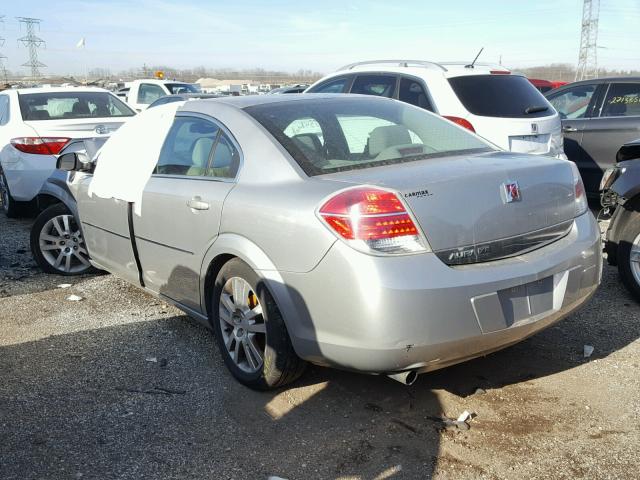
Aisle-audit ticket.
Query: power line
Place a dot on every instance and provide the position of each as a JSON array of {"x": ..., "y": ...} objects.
[
  {"x": 588, "y": 57},
  {"x": 3, "y": 69},
  {"x": 33, "y": 43}
]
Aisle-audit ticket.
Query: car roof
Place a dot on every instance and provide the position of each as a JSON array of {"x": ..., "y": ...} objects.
[
  {"x": 421, "y": 68},
  {"x": 246, "y": 101}
]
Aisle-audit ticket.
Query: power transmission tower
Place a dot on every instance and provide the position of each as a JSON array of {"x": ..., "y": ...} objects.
[
  {"x": 31, "y": 41},
  {"x": 3, "y": 70},
  {"x": 588, "y": 58}
]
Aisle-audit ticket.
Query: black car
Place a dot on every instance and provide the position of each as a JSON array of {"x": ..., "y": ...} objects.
[
  {"x": 621, "y": 193},
  {"x": 597, "y": 116},
  {"x": 290, "y": 89}
]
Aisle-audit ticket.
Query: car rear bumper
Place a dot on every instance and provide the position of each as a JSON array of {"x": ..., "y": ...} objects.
[
  {"x": 26, "y": 175},
  {"x": 390, "y": 314}
]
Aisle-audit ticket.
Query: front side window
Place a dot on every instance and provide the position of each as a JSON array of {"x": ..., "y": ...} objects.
[
  {"x": 196, "y": 147},
  {"x": 623, "y": 100},
  {"x": 72, "y": 105},
  {"x": 359, "y": 133},
  {"x": 411, "y": 91},
  {"x": 378, "y": 85},
  {"x": 333, "y": 86},
  {"x": 573, "y": 103},
  {"x": 149, "y": 93}
]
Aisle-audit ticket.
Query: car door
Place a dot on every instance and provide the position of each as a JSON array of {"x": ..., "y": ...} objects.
[
  {"x": 574, "y": 105},
  {"x": 182, "y": 206},
  {"x": 413, "y": 91},
  {"x": 616, "y": 121}
]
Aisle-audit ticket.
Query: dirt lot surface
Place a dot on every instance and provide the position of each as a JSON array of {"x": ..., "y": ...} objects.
[{"x": 121, "y": 386}]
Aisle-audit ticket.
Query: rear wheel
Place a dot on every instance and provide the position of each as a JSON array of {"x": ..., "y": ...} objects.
[
  {"x": 57, "y": 243},
  {"x": 250, "y": 330},
  {"x": 628, "y": 255},
  {"x": 10, "y": 207}
]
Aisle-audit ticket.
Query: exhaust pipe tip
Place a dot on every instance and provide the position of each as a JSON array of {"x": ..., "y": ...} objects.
[{"x": 406, "y": 378}]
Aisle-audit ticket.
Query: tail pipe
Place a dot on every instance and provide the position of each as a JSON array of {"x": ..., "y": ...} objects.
[{"x": 406, "y": 378}]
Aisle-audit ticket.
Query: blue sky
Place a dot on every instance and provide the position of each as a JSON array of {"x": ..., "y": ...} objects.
[{"x": 321, "y": 35}]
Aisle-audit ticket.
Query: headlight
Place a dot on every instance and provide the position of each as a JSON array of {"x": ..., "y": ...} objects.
[{"x": 611, "y": 174}]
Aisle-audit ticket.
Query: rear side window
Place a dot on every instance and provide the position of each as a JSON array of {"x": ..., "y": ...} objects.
[
  {"x": 411, "y": 91},
  {"x": 623, "y": 100},
  {"x": 71, "y": 105},
  {"x": 378, "y": 85},
  {"x": 196, "y": 147},
  {"x": 332, "y": 86},
  {"x": 574, "y": 102},
  {"x": 500, "y": 96}
]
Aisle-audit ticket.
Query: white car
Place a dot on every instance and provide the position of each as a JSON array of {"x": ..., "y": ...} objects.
[
  {"x": 36, "y": 123},
  {"x": 489, "y": 100},
  {"x": 142, "y": 93}
]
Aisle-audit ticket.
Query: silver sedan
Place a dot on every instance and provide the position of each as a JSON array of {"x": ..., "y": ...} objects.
[{"x": 355, "y": 232}]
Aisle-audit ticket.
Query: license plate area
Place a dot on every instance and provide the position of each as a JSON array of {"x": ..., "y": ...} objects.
[{"x": 529, "y": 143}]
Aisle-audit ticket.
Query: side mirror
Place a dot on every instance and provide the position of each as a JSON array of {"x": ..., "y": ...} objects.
[
  {"x": 74, "y": 161},
  {"x": 68, "y": 162}
]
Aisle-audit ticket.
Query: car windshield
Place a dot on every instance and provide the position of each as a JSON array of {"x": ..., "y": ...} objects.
[
  {"x": 182, "y": 88},
  {"x": 339, "y": 134},
  {"x": 71, "y": 105},
  {"x": 510, "y": 96}
]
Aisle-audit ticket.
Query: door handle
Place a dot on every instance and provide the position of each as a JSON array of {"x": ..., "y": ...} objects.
[
  {"x": 196, "y": 203},
  {"x": 569, "y": 129}
]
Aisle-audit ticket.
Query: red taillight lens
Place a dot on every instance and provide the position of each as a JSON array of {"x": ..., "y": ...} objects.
[
  {"x": 499, "y": 72},
  {"x": 372, "y": 218},
  {"x": 40, "y": 145},
  {"x": 461, "y": 121}
]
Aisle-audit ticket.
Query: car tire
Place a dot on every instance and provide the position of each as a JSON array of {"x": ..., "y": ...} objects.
[
  {"x": 239, "y": 298},
  {"x": 56, "y": 236},
  {"x": 10, "y": 207},
  {"x": 628, "y": 243}
]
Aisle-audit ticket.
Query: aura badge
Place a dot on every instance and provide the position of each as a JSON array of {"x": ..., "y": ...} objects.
[
  {"x": 511, "y": 192},
  {"x": 534, "y": 128}
]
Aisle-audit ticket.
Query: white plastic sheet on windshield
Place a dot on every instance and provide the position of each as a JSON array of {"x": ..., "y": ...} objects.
[{"x": 126, "y": 162}]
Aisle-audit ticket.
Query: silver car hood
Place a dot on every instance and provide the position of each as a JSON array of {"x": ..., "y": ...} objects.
[{"x": 460, "y": 201}]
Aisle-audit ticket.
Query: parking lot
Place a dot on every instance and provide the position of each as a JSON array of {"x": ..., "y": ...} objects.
[{"x": 120, "y": 385}]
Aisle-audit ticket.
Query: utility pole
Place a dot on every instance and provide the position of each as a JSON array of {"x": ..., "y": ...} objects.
[
  {"x": 3, "y": 69},
  {"x": 588, "y": 58},
  {"x": 32, "y": 42}
]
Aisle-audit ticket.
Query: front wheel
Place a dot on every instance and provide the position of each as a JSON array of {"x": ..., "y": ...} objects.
[
  {"x": 57, "y": 243},
  {"x": 250, "y": 330},
  {"x": 628, "y": 255}
]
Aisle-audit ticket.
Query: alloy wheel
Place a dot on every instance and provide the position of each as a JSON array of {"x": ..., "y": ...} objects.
[
  {"x": 242, "y": 325},
  {"x": 62, "y": 245},
  {"x": 634, "y": 259}
]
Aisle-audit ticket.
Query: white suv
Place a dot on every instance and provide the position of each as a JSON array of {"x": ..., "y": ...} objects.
[{"x": 504, "y": 108}]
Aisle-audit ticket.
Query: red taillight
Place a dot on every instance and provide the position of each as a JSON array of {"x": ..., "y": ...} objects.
[
  {"x": 40, "y": 145},
  {"x": 499, "y": 72},
  {"x": 373, "y": 216},
  {"x": 461, "y": 121}
]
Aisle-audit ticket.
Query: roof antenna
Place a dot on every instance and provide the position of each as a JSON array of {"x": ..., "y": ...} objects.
[{"x": 474, "y": 60}]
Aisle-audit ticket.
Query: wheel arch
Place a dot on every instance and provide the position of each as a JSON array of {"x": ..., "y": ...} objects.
[
  {"x": 623, "y": 215},
  {"x": 230, "y": 245}
]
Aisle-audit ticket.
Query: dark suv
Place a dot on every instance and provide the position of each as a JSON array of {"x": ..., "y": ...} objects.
[{"x": 597, "y": 117}]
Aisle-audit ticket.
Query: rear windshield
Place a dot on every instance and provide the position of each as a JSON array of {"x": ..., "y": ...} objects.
[
  {"x": 70, "y": 105},
  {"x": 182, "y": 88},
  {"x": 341, "y": 134},
  {"x": 500, "y": 96}
]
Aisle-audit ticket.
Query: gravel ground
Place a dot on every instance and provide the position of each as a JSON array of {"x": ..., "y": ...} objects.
[{"x": 121, "y": 386}]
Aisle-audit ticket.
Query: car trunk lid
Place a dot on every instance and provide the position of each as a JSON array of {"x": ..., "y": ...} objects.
[
  {"x": 76, "y": 128},
  {"x": 462, "y": 204}
]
